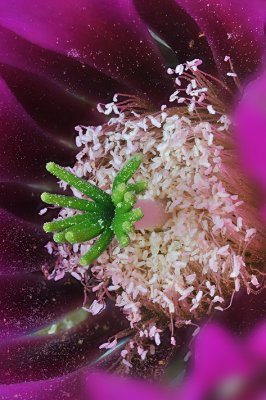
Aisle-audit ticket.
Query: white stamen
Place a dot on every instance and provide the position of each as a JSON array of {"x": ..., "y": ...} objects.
[
  {"x": 211, "y": 109},
  {"x": 43, "y": 211}
]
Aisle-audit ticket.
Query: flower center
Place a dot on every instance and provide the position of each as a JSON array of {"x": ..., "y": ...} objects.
[{"x": 208, "y": 244}]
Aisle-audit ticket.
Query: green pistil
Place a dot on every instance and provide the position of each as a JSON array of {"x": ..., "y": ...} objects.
[
  {"x": 98, "y": 247},
  {"x": 105, "y": 215},
  {"x": 127, "y": 203},
  {"x": 83, "y": 232},
  {"x": 70, "y": 202},
  {"x": 87, "y": 188},
  {"x": 60, "y": 237},
  {"x": 138, "y": 187},
  {"x": 123, "y": 223},
  {"x": 60, "y": 224},
  {"x": 118, "y": 193},
  {"x": 128, "y": 170}
]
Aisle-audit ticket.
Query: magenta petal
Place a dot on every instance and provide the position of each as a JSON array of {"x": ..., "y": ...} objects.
[
  {"x": 68, "y": 387},
  {"x": 36, "y": 358},
  {"x": 80, "y": 385},
  {"x": 50, "y": 105},
  {"x": 250, "y": 119},
  {"x": 29, "y": 301},
  {"x": 24, "y": 202},
  {"x": 256, "y": 342},
  {"x": 217, "y": 353},
  {"x": 106, "y": 35},
  {"x": 233, "y": 28},
  {"x": 25, "y": 148},
  {"x": 21, "y": 245},
  {"x": 104, "y": 386},
  {"x": 245, "y": 312},
  {"x": 79, "y": 81},
  {"x": 58, "y": 92},
  {"x": 179, "y": 30}
]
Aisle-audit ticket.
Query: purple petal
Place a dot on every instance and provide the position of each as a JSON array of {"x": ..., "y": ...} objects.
[
  {"x": 233, "y": 28},
  {"x": 29, "y": 301},
  {"x": 82, "y": 385},
  {"x": 25, "y": 148},
  {"x": 57, "y": 91},
  {"x": 37, "y": 358},
  {"x": 50, "y": 105},
  {"x": 78, "y": 79},
  {"x": 217, "y": 354},
  {"x": 250, "y": 119},
  {"x": 21, "y": 245},
  {"x": 263, "y": 212},
  {"x": 106, "y": 35},
  {"x": 24, "y": 202},
  {"x": 64, "y": 388},
  {"x": 104, "y": 386},
  {"x": 179, "y": 30},
  {"x": 256, "y": 342},
  {"x": 245, "y": 312}
]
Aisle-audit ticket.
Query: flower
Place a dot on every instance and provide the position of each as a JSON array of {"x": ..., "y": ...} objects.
[
  {"x": 211, "y": 243},
  {"x": 58, "y": 60}
]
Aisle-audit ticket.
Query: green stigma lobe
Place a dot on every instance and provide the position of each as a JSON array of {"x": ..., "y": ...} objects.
[
  {"x": 132, "y": 216},
  {"x": 118, "y": 193},
  {"x": 98, "y": 247},
  {"x": 84, "y": 231},
  {"x": 128, "y": 170},
  {"x": 137, "y": 187},
  {"x": 70, "y": 202},
  {"x": 120, "y": 233},
  {"x": 127, "y": 203},
  {"x": 83, "y": 186},
  {"x": 60, "y": 237},
  {"x": 122, "y": 225},
  {"x": 61, "y": 224}
]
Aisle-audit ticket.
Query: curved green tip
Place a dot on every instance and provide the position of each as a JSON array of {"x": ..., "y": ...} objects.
[
  {"x": 70, "y": 237},
  {"x": 137, "y": 214},
  {"x": 83, "y": 262},
  {"x": 138, "y": 157},
  {"x": 46, "y": 226},
  {"x": 127, "y": 226},
  {"x": 44, "y": 196},
  {"x": 59, "y": 237},
  {"x": 124, "y": 241},
  {"x": 50, "y": 166}
]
